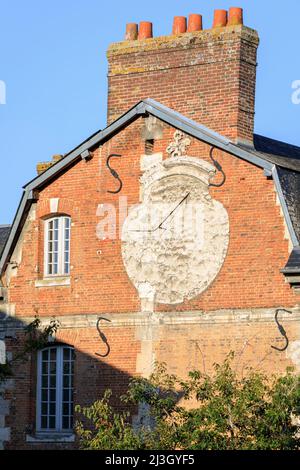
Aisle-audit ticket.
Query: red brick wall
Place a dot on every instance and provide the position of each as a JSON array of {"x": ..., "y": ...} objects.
[
  {"x": 249, "y": 278},
  {"x": 92, "y": 376},
  {"x": 208, "y": 76}
]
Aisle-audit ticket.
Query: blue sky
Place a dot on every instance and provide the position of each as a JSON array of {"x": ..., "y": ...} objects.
[{"x": 53, "y": 63}]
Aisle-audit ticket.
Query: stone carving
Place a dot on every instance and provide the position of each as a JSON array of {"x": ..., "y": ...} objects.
[
  {"x": 175, "y": 242},
  {"x": 179, "y": 146}
]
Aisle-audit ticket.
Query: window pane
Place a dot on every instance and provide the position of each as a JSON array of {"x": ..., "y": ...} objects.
[
  {"x": 45, "y": 381},
  {"x": 67, "y": 352},
  {"x": 44, "y": 408},
  {"x": 45, "y": 355},
  {"x": 52, "y": 409},
  {"x": 66, "y": 423},
  {"x": 52, "y": 422},
  {"x": 44, "y": 422},
  {"x": 52, "y": 381},
  {"x": 66, "y": 409},
  {"x": 66, "y": 381},
  {"x": 53, "y": 354}
]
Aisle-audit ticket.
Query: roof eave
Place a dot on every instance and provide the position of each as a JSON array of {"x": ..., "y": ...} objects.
[{"x": 21, "y": 213}]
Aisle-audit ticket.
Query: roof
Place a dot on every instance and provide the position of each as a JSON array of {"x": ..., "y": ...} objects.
[
  {"x": 276, "y": 147},
  {"x": 277, "y": 152},
  {"x": 290, "y": 184},
  {"x": 287, "y": 159},
  {"x": 279, "y": 160},
  {"x": 4, "y": 233}
]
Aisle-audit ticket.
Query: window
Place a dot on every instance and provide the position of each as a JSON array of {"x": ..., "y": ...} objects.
[
  {"x": 57, "y": 246},
  {"x": 55, "y": 389}
]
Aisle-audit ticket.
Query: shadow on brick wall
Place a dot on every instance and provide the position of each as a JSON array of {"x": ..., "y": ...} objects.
[{"x": 92, "y": 376}]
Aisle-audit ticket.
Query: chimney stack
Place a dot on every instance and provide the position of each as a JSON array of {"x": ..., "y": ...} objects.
[
  {"x": 207, "y": 75},
  {"x": 43, "y": 166}
]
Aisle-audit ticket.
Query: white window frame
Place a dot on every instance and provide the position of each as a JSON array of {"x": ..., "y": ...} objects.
[
  {"x": 61, "y": 271},
  {"x": 59, "y": 392}
]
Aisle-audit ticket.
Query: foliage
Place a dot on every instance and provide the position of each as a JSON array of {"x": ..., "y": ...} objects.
[
  {"x": 217, "y": 412},
  {"x": 112, "y": 431},
  {"x": 35, "y": 339}
]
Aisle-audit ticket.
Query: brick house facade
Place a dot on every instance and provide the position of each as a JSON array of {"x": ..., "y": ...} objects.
[{"x": 180, "y": 130}]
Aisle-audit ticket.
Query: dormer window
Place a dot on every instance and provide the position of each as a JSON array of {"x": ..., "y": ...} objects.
[{"x": 57, "y": 246}]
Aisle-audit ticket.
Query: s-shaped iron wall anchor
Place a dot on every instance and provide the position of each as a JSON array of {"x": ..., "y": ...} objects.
[
  {"x": 282, "y": 330},
  {"x": 103, "y": 337}
]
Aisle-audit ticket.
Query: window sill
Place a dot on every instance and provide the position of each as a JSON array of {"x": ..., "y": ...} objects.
[
  {"x": 40, "y": 438},
  {"x": 53, "y": 282}
]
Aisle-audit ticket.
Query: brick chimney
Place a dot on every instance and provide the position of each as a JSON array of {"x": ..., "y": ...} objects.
[
  {"x": 209, "y": 76},
  {"x": 43, "y": 166}
]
